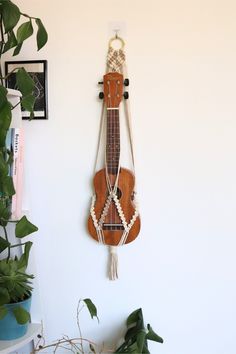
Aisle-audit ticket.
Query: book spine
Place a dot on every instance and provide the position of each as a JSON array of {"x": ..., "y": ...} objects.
[
  {"x": 19, "y": 182},
  {"x": 16, "y": 172}
]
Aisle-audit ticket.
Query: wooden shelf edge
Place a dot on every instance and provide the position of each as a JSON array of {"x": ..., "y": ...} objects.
[{"x": 8, "y": 346}]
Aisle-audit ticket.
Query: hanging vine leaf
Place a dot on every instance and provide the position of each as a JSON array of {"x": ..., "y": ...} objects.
[
  {"x": 28, "y": 102},
  {"x": 3, "y": 244},
  {"x": 5, "y": 119},
  {"x": 4, "y": 168},
  {"x": 42, "y": 36},
  {"x": 11, "y": 42},
  {"x": 24, "y": 82},
  {"x": 4, "y": 213},
  {"x": 10, "y": 15},
  {"x": 17, "y": 49},
  {"x": 24, "y": 227},
  {"x": 91, "y": 307},
  {"x": 7, "y": 186},
  {"x": 24, "y": 31}
]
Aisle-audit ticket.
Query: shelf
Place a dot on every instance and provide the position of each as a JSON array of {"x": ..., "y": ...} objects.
[{"x": 8, "y": 346}]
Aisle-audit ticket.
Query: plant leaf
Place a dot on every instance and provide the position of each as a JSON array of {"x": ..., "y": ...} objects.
[
  {"x": 24, "y": 227},
  {"x": 134, "y": 317},
  {"x": 3, "y": 244},
  {"x": 42, "y": 36},
  {"x": 4, "y": 168},
  {"x": 24, "y": 31},
  {"x": 22, "y": 316},
  {"x": 8, "y": 186},
  {"x": 141, "y": 336},
  {"x": 151, "y": 335},
  {"x": 10, "y": 14},
  {"x": 91, "y": 307},
  {"x": 28, "y": 102},
  {"x": 25, "y": 256},
  {"x": 4, "y": 296},
  {"x": 24, "y": 82},
  {"x": 11, "y": 42},
  {"x": 3, "y": 312},
  {"x": 4, "y": 213},
  {"x": 17, "y": 49},
  {"x": 5, "y": 119}
]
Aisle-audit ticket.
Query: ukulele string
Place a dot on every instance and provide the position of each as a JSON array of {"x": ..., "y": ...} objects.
[{"x": 115, "y": 146}]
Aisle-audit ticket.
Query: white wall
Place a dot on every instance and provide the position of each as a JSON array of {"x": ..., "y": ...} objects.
[{"x": 181, "y": 270}]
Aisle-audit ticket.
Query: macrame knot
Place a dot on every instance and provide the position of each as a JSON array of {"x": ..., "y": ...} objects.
[{"x": 115, "y": 59}]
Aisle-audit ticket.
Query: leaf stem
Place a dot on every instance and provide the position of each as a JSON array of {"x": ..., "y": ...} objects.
[
  {"x": 17, "y": 245},
  {"x": 30, "y": 17},
  {"x": 78, "y": 323},
  {"x": 2, "y": 42},
  {"x": 8, "y": 248}
]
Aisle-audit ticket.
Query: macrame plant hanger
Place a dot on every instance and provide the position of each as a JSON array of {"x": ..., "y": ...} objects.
[{"x": 115, "y": 66}]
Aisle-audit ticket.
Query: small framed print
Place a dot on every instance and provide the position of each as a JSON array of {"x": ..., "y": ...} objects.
[{"x": 37, "y": 69}]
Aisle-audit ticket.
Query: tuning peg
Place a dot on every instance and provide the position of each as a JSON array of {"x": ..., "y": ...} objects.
[
  {"x": 101, "y": 95},
  {"x": 126, "y": 95},
  {"x": 126, "y": 82},
  {"x": 100, "y": 82}
]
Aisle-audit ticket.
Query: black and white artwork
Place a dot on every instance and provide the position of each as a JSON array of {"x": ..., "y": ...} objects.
[{"x": 37, "y": 69}]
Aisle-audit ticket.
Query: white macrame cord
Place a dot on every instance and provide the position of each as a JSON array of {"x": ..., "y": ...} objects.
[{"x": 115, "y": 62}]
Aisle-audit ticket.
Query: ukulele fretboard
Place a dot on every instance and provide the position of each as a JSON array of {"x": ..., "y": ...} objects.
[{"x": 113, "y": 141}]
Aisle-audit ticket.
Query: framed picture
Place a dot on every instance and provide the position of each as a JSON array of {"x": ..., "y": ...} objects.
[{"x": 38, "y": 71}]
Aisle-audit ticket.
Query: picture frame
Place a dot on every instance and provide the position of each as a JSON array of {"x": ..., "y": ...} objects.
[{"x": 38, "y": 71}]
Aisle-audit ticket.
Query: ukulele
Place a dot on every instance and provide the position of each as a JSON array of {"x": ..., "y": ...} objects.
[{"x": 114, "y": 207}]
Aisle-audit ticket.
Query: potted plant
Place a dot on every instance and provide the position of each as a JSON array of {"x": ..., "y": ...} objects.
[{"x": 15, "y": 282}]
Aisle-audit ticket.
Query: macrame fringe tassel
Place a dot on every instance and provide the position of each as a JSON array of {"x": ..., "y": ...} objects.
[{"x": 113, "y": 263}]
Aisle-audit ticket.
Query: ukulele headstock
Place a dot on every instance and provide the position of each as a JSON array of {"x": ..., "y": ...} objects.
[{"x": 113, "y": 89}]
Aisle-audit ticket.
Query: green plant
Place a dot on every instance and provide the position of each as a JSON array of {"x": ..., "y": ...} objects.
[
  {"x": 137, "y": 336},
  {"x": 14, "y": 281},
  {"x": 135, "y": 340}
]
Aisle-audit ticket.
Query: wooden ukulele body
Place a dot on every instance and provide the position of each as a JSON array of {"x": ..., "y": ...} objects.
[{"x": 113, "y": 234}]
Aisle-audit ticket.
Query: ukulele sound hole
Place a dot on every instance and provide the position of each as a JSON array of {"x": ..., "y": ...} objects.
[{"x": 118, "y": 192}]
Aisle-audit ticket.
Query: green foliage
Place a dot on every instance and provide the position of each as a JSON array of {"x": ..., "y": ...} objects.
[
  {"x": 92, "y": 308},
  {"x": 5, "y": 115},
  {"x": 24, "y": 227},
  {"x": 15, "y": 283},
  {"x": 24, "y": 31},
  {"x": 15, "y": 286},
  {"x": 3, "y": 244},
  {"x": 137, "y": 336},
  {"x": 14, "y": 37},
  {"x": 10, "y": 14},
  {"x": 42, "y": 36},
  {"x": 22, "y": 316}
]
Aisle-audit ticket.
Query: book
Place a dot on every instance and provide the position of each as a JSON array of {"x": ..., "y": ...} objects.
[{"x": 17, "y": 172}]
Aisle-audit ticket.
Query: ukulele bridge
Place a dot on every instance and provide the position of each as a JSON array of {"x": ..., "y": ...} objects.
[{"x": 113, "y": 227}]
